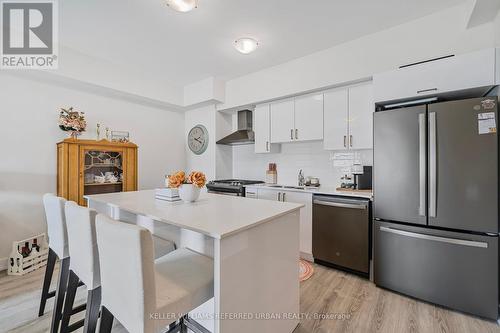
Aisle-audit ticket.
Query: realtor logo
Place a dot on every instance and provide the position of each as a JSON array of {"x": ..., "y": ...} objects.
[{"x": 29, "y": 34}]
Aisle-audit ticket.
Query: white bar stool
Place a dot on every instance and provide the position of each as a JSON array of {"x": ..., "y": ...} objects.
[
  {"x": 58, "y": 248},
  {"x": 145, "y": 295},
  {"x": 84, "y": 266}
]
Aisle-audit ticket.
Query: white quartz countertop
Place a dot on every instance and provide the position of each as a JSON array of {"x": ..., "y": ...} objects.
[
  {"x": 325, "y": 190},
  {"x": 214, "y": 215}
]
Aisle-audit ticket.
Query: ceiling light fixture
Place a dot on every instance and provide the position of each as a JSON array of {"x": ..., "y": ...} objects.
[
  {"x": 246, "y": 45},
  {"x": 182, "y": 5}
]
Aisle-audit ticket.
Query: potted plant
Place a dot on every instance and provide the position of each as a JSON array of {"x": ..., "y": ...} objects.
[{"x": 189, "y": 187}]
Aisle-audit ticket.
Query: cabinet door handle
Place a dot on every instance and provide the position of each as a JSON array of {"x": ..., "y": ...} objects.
[
  {"x": 267, "y": 145},
  {"x": 283, "y": 198},
  {"x": 279, "y": 196},
  {"x": 345, "y": 137},
  {"x": 291, "y": 134},
  {"x": 350, "y": 140},
  {"x": 296, "y": 134}
]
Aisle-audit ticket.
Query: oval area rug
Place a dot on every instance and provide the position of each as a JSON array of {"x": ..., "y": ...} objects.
[{"x": 306, "y": 270}]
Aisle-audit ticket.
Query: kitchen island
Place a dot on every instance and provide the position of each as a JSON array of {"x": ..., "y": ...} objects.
[{"x": 254, "y": 244}]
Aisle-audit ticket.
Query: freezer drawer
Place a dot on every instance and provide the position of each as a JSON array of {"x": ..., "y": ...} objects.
[
  {"x": 341, "y": 232},
  {"x": 456, "y": 270}
]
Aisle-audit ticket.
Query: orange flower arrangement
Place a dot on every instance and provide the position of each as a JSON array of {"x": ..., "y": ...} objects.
[
  {"x": 177, "y": 179},
  {"x": 196, "y": 178}
]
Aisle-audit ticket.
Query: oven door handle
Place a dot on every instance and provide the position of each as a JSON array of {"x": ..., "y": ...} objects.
[
  {"x": 340, "y": 204},
  {"x": 224, "y": 193}
]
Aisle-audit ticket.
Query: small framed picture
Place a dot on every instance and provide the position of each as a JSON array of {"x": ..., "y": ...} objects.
[{"x": 120, "y": 136}]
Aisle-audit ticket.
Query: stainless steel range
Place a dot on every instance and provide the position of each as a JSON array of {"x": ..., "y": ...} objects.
[{"x": 234, "y": 187}]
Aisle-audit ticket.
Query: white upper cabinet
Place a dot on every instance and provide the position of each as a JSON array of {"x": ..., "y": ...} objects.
[
  {"x": 262, "y": 128},
  {"x": 349, "y": 118},
  {"x": 299, "y": 119},
  {"x": 309, "y": 117},
  {"x": 335, "y": 119},
  {"x": 471, "y": 70},
  {"x": 361, "y": 108},
  {"x": 282, "y": 121}
]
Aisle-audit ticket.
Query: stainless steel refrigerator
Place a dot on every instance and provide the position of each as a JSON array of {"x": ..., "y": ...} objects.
[{"x": 436, "y": 203}]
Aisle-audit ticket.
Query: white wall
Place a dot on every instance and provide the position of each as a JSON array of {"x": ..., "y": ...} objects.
[
  {"x": 76, "y": 65},
  {"x": 438, "y": 34},
  {"x": 29, "y": 133},
  {"x": 497, "y": 30},
  {"x": 308, "y": 156}
]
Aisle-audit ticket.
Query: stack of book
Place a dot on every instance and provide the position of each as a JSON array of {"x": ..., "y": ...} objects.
[{"x": 167, "y": 194}]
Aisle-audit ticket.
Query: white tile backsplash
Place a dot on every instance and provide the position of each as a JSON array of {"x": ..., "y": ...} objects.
[{"x": 308, "y": 156}]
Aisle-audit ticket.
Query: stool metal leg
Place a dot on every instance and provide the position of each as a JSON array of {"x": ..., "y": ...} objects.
[
  {"x": 62, "y": 284},
  {"x": 49, "y": 270},
  {"x": 69, "y": 301},
  {"x": 92, "y": 313},
  {"x": 194, "y": 326},
  {"x": 106, "y": 321}
]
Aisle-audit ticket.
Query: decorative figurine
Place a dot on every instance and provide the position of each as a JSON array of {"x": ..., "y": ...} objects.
[
  {"x": 107, "y": 133},
  {"x": 98, "y": 130}
]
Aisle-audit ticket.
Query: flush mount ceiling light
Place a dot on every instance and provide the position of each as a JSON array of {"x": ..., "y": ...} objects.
[
  {"x": 246, "y": 45},
  {"x": 182, "y": 5}
]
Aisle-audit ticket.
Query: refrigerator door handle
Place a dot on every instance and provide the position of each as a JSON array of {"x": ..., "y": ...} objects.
[
  {"x": 422, "y": 163},
  {"x": 432, "y": 165},
  {"x": 455, "y": 241}
]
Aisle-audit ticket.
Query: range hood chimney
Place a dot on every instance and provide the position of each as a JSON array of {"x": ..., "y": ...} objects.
[{"x": 244, "y": 135}]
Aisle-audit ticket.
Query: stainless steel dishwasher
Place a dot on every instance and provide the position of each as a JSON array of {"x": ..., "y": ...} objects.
[{"x": 341, "y": 232}]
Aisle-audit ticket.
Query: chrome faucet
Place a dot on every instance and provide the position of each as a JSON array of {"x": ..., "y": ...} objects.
[{"x": 301, "y": 178}]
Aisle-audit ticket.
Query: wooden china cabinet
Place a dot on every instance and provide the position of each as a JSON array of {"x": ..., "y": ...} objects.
[{"x": 92, "y": 167}]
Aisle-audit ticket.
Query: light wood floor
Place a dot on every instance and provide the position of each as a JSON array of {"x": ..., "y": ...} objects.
[{"x": 360, "y": 307}]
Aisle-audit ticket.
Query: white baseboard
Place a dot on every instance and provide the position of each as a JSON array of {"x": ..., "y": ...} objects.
[
  {"x": 4, "y": 264},
  {"x": 306, "y": 256}
]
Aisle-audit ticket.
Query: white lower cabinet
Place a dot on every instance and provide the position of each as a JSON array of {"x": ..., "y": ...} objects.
[{"x": 305, "y": 212}]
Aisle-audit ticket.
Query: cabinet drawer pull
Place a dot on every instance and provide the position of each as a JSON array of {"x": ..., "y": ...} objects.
[
  {"x": 279, "y": 196},
  {"x": 291, "y": 134},
  {"x": 426, "y": 90},
  {"x": 267, "y": 145},
  {"x": 345, "y": 137},
  {"x": 350, "y": 140},
  {"x": 296, "y": 134},
  {"x": 283, "y": 197}
]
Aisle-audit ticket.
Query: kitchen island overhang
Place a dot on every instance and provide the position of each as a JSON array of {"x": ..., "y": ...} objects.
[{"x": 254, "y": 244}]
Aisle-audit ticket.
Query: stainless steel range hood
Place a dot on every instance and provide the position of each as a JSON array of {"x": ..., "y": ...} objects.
[{"x": 244, "y": 135}]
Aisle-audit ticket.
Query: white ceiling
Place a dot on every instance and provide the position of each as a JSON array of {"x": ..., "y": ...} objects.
[{"x": 183, "y": 48}]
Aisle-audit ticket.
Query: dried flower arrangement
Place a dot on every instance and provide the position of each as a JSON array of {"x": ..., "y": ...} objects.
[
  {"x": 196, "y": 178},
  {"x": 72, "y": 121}
]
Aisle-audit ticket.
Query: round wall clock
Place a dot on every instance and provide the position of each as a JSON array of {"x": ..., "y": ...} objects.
[{"x": 198, "y": 139}]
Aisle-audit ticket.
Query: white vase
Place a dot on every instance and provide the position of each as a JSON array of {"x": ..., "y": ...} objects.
[{"x": 189, "y": 192}]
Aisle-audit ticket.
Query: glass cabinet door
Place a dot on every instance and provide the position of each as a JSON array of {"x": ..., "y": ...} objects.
[{"x": 102, "y": 171}]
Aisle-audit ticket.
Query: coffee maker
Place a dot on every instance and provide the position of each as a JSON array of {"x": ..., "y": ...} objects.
[{"x": 362, "y": 177}]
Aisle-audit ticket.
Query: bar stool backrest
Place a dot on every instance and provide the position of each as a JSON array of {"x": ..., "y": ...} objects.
[
  {"x": 127, "y": 273},
  {"x": 83, "y": 244},
  {"x": 56, "y": 224}
]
